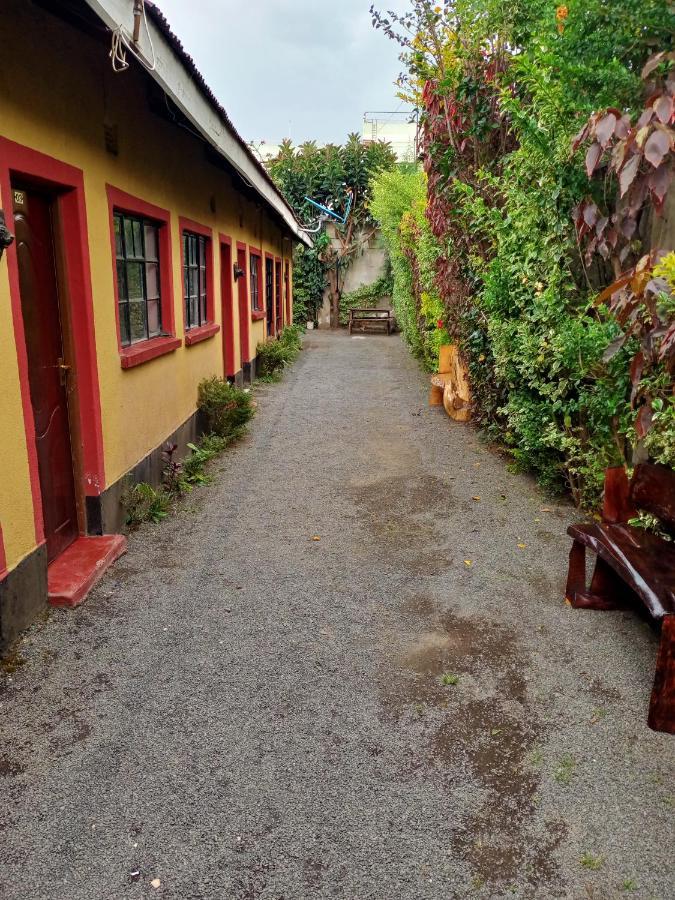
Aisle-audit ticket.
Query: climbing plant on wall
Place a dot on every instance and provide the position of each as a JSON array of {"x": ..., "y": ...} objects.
[{"x": 503, "y": 90}]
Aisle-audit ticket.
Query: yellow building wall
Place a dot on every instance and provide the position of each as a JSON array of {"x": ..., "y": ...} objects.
[
  {"x": 16, "y": 501},
  {"x": 57, "y": 91}
]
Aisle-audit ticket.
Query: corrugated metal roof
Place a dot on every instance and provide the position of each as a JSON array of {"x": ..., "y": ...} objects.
[{"x": 117, "y": 12}]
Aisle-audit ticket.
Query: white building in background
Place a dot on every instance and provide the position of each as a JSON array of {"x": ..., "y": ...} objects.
[
  {"x": 393, "y": 127},
  {"x": 396, "y": 129}
]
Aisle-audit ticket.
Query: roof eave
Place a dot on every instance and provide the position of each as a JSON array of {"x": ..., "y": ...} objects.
[{"x": 177, "y": 75}]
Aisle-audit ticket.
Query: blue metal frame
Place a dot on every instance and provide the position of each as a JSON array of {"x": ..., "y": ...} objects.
[{"x": 329, "y": 212}]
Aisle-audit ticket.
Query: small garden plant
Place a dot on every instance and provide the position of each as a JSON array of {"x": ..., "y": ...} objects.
[
  {"x": 227, "y": 409},
  {"x": 274, "y": 356}
]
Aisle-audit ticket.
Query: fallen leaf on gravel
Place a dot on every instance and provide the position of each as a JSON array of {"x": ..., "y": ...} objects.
[
  {"x": 155, "y": 883},
  {"x": 468, "y": 562},
  {"x": 316, "y": 537},
  {"x": 546, "y": 509},
  {"x": 522, "y": 546},
  {"x": 568, "y": 602},
  {"x": 475, "y": 498}
]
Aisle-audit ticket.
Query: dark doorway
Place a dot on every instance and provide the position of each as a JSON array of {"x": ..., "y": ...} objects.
[
  {"x": 47, "y": 369},
  {"x": 278, "y": 297},
  {"x": 269, "y": 295}
]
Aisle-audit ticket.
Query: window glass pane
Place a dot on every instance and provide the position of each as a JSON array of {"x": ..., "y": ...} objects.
[
  {"x": 193, "y": 283},
  {"x": 138, "y": 238},
  {"x": 202, "y": 251},
  {"x": 152, "y": 281},
  {"x": 135, "y": 281},
  {"x": 124, "y": 324},
  {"x": 151, "y": 240},
  {"x": 154, "y": 318},
  {"x": 202, "y": 309},
  {"x": 119, "y": 249},
  {"x": 128, "y": 237},
  {"x": 194, "y": 311},
  {"x": 137, "y": 320},
  {"x": 121, "y": 280}
]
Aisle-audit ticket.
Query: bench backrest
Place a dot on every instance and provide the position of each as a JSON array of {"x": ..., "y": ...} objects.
[
  {"x": 370, "y": 313},
  {"x": 652, "y": 489}
]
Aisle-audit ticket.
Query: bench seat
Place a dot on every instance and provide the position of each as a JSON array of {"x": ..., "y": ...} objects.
[
  {"x": 644, "y": 561},
  {"x": 371, "y": 316},
  {"x": 633, "y": 565}
]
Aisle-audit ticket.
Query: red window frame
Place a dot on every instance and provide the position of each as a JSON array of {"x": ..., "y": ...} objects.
[
  {"x": 143, "y": 351},
  {"x": 258, "y": 301},
  {"x": 199, "y": 333}
]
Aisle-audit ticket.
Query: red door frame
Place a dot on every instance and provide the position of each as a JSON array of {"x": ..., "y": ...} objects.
[
  {"x": 278, "y": 295},
  {"x": 287, "y": 288},
  {"x": 226, "y": 305},
  {"x": 243, "y": 304},
  {"x": 67, "y": 182}
]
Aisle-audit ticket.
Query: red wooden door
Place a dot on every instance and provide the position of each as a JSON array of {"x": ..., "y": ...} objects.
[
  {"x": 46, "y": 370},
  {"x": 226, "y": 309},
  {"x": 242, "y": 290}
]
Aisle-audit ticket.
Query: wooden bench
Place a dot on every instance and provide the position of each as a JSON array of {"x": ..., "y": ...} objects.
[
  {"x": 450, "y": 385},
  {"x": 633, "y": 564},
  {"x": 370, "y": 317}
]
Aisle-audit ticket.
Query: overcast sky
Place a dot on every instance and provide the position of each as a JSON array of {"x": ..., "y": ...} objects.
[{"x": 299, "y": 68}]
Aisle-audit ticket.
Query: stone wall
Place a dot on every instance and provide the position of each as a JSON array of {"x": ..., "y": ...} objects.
[{"x": 368, "y": 265}]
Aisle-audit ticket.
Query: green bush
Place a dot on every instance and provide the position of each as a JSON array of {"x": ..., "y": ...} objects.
[
  {"x": 227, "y": 409},
  {"x": 271, "y": 357},
  {"x": 399, "y": 205},
  {"x": 144, "y": 503},
  {"x": 502, "y": 269}
]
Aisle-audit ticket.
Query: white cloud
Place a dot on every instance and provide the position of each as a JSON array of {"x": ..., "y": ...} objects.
[{"x": 315, "y": 64}]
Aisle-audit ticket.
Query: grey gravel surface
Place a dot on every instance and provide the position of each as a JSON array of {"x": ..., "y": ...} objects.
[{"x": 241, "y": 711}]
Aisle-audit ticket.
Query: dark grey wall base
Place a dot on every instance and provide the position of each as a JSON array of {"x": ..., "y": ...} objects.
[
  {"x": 105, "y": 514},
  {"x": 23, "y": 596},
  {"x": 249, "y": 371}
]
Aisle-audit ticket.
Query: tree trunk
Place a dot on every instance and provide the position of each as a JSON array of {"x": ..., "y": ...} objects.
[{"x": 334, "y": 298}]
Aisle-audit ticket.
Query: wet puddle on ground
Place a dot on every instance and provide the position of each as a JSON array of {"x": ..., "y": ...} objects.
[{"x": 480, "y": 730}]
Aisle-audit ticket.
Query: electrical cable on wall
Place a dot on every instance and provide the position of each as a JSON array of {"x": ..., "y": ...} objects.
[{"x": 123, "y": 41}]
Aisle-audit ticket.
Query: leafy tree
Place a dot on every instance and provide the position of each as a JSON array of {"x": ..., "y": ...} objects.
[{"x": 328, "y": 175}]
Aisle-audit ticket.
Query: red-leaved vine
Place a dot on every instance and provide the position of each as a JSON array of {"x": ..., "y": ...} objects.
[{"x": 641, "y": 156}]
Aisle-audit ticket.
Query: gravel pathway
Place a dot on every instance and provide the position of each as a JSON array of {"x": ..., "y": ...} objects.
[{"x": 241, "y": 710}]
